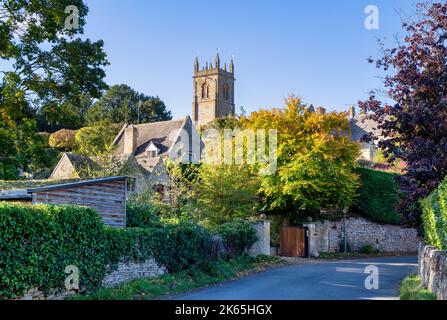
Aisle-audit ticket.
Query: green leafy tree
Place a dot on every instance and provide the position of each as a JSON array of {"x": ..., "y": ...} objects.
[
  {"x": 315, "y": 159},
  {"x": 122, "y": 104},
  {"x": 96, "y": 140},
  {"x": 225, "y": 192},
  {"x": 47, "y": 69}
]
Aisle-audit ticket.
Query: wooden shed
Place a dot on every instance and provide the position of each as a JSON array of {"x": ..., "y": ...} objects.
[{"x": 107, "y": 196}]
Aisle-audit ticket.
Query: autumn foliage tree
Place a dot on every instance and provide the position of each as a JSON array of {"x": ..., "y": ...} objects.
[
  {"x": 415, "y": 125},
  {"x": 315, "y": 159}
]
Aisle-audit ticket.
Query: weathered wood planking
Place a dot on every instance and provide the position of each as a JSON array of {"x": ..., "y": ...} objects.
[{"x": 107, "y": 197}]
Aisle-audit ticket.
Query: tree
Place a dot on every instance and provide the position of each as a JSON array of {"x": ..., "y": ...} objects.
[
  {"x": 63, "y": 139},
  {"x": 122, "y": 104},
  {"x": 225, "y": 192},
  {"x": 96, "y": 140},
  {"x": 48, "y": 68},
  {"x": 415, "y": 125},
  {"x": 315, "y": 159}
]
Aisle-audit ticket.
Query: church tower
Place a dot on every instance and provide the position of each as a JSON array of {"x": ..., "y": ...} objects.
[{"x": 213, "y": 91}]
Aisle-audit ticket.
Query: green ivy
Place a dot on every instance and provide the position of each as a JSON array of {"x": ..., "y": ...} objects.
[
  {"x": 38, "y": 242},
  {"x": 434, "y": 217}
]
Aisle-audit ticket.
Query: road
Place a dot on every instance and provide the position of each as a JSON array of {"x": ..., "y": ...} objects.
[{"x": 321, "y": 280}]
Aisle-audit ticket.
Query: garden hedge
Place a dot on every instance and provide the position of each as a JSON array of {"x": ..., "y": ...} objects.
[
  {"x": 38, "y": 242},
  {"x": 377, "y": 196},
  {"x": 434, "y": 217}
]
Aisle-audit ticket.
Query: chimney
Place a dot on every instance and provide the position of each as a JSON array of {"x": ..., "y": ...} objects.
[
  {"x": 351, "y": 112},
  {"x": 130, "y": 139},
  {"x": 321, "y": 111}
]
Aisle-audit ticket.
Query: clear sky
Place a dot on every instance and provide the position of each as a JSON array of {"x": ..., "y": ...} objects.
[{"x": 316, "y": 49}]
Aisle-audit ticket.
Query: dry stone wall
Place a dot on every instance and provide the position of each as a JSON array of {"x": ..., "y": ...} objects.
[
  {"x": 433, "y": 270},
  {"x": 125, "y": 272},
  {"x": 327, "y": 236}
]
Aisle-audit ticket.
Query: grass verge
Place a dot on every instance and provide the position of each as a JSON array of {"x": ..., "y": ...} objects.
[
  {"x": 412, "y": 289},
  {"x": 169, "y": 284}
]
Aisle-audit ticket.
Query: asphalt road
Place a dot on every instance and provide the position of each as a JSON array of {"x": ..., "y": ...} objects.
[{"x": 323, "y": 280}]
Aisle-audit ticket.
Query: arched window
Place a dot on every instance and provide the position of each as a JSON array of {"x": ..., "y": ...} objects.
[
  {"x": 205, "y": 91},
  {"x": 226, "y": 92}
]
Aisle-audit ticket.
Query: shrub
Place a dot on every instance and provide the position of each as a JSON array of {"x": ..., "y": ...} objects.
[
  {"x": 366, "y": 249},
  {"x": 377, "y": 196},
  {"x": 38, "y": 242},
  {"x": 177, "y": 247},
  {"x": 238, "y": 237},
  {"x": 141, "y": 215},
  {"x": 63, "y": 139},
  {"x": 434, "y": 217}
]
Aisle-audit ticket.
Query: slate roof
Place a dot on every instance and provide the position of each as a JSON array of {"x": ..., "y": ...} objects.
[
  {"x": 162, "y": 134},
  {"x": 361, "y": 126},
  {"x": 81, "y": 162}
]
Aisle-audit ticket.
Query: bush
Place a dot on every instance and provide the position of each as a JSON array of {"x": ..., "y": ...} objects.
[
  {"x": 238, "y": 237},
  {"x": 63, "y": 139},
  {"x": 38, "y": 242},
  {"x": 434, "y": 217},
  {"x": 141, "y": 215},
  {"x": 177, "y": 247},
  {"x": 366, "y": 249},
  {"x": 378, "y": 196}
]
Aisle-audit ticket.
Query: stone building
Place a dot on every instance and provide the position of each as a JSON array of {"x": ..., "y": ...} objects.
[
  {"x": 213, "y": 91},
  {"x": 360, "y": 127},
  {"x": 141, "y": 152}
]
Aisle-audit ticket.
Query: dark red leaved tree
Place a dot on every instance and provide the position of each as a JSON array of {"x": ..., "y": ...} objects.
[{"x": 415, "y": 127}]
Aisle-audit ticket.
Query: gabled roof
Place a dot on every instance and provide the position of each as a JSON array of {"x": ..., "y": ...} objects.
[
  {"x": 163, "y": 134},
  {"x": 79, "y": 163},
  {"x": 361, "y": 126}
]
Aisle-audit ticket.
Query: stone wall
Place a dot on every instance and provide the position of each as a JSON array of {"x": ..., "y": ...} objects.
[
  {"x": 326, "y": 236},
  {"x": 433, "y": 270},
  {"x": 131, "y": 271},
  {"x": 125, "y": 272},
  {"x": 262, "y": 246}
]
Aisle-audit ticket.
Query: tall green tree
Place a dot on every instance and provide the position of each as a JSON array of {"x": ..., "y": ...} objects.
[
  {"x": 44, "y": 69},
  {"x": 122, "y": 104},
  {"x": 315, "y": 159}
]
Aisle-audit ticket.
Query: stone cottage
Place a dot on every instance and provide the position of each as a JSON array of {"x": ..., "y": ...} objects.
[
  {"x": 141, "y": 152},
  {"x": 361, "y": 126}
]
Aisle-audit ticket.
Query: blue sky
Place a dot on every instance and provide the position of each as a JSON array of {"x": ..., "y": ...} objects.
[{"x": 314, "y": 49}]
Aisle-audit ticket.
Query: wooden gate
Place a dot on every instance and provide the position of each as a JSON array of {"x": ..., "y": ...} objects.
[{"x": 293, "y": 242}]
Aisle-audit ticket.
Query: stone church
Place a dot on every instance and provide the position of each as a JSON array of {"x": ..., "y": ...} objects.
[{"x": 213, "y": 91}]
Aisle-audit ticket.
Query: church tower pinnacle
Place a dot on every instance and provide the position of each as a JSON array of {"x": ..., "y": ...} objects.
[{"x": 213, "y": 91}]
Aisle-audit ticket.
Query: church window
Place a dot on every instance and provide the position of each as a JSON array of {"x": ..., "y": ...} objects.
[
  {"x": 205, "y": 91},
  {"x": 226, "y": 92}
]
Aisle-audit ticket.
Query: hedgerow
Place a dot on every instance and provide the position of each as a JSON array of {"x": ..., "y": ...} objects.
[
  {"x": 377, "y": 196},
  {"x": 434, "y": 217},
  {"x": 38, "y": 242}
]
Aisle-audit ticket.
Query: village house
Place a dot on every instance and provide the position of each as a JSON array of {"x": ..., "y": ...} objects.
[{"x": 141, "y": 152}]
